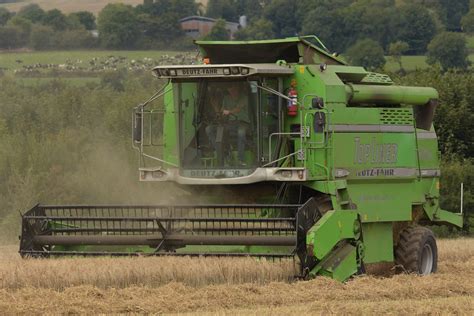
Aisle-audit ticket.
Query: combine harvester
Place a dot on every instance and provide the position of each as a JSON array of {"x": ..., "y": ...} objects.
[{"x": 301, "y": 155}]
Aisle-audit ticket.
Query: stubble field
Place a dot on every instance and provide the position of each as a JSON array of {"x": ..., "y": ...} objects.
[{"x": 227, "y": 286}]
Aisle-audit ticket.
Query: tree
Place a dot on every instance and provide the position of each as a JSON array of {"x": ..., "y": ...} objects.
[
  {"x": 326, "y": 28},
  {"x": 452, "y": 12},
  {"x": 252, "y": 9},
  {"x": 85, "y": 18},
  {"x": 366, "y": 53},
  {"x": 9, "y": 37},
  {"x": 5, "y": 15},
  {"x": 396, "y": 50},
  {"x": 231, "y": 10},
  {"x": 43, "y": 37},
  {"x": 467, "y": 22},
  {"x": 23, "y": 26},
  {"x": 448, "y": 12},
  {"x": 282, "y": 13},
  {"x": 159, "y": 21},
  {"x": 222, "y": 9},
  {"x": 449, "y": 50},
  {"x": 218, "y": 32},
  {"x": 160, "y": 8},
  {"x": 74, "y": 39},
  {"x": 162, "y": 30},
  {"x": 258, "y": 30},
  {"x": 417, "y": 28},
  {"x": 56, "y": 19},
  {"x": 118, "y": 26},
  {"x": 32, "y": 12}
]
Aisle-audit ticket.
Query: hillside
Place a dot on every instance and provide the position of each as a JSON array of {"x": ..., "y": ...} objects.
[{"x": 71, "y": 6}]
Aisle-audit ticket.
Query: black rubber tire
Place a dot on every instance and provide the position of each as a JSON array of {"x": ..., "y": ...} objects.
[{"x": 416, "y": 250}]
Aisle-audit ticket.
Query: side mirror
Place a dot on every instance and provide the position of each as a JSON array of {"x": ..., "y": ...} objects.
[
  {"x": 137, "y": 125},
  {"x": 317, "y": 103}
]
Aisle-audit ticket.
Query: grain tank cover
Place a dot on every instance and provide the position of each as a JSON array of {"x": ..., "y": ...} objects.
[{"x": 292, "y": 50}]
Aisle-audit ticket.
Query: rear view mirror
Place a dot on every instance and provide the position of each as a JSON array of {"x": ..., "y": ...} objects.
[{"x": 137, "y": 124}]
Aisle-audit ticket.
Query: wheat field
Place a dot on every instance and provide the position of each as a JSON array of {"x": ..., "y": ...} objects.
[{"x": 227, "y": 286}]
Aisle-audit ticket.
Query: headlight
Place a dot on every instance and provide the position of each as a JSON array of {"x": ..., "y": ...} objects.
[{"x": 235, "y": 70}]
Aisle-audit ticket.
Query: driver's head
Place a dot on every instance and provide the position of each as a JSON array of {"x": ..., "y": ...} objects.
[{"x": 234, "y": 90}]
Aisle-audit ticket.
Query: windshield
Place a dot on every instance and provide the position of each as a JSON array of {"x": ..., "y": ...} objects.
[{"x": 218, "y": 127}]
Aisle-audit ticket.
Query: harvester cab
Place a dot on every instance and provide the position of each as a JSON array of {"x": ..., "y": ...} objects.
[{"x": 301, "y": 155}]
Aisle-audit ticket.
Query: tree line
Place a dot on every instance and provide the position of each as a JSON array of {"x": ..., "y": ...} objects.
[{"x": 340, "y": 24}]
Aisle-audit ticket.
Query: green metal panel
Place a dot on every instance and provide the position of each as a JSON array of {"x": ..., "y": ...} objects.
[
  {"x": 378, "y": 242},
  {"x": 170, "y": 128},
  {"x": 390, "y": 94},
  {"x": 333, "y": 227}
]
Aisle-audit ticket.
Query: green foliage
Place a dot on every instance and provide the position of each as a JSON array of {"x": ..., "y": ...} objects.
[
  {"x": 161, "y": 30},
  {"x": 159, "y": 8},
  {"x": 218, "y": 32},
  {"x": 85, "y": 18},
  {"x": 417, "y": 27},
  {"x": 5, "y": 15},
  {"x": 10, "y": 37},
  {"x": 449, "y": 50},
  {"x": 159, "y": 21},
  {"x": 468, "y": 22},
  {"x": 453, "y": 173},
  {"x": 396, "y": 50},
  {"x": 43, "y": 38},
  {"x": 282, "y": 13},
  {"x": 118, "y": 26},
  {"x": 454, "y": 116},
  {"x": 257, "y": 30},
  {"x": 341, "y": 23},
  {"x": 22, "y": 23},
  {"x": 32, "y": 12},
  {"x": 55, "y": 19},
  {"x": 224, "y": 9},
  {"x": 452, "y": 12},
  {"x": 61, "y": 143},
  {"x": 75, "y": 39},
  {"x": 366, "y": 53}
]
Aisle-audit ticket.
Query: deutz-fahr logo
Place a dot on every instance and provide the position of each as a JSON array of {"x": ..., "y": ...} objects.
[{"x": 375, "y": 152}]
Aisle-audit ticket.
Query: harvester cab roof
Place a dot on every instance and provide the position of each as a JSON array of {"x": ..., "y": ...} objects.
[{"x": 300, "y": 154}]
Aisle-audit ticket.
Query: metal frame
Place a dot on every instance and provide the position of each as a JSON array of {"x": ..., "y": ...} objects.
[{"x": 167, "y": 228}]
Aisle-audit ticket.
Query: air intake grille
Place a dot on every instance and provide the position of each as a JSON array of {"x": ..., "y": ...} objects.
[
  {"x": 396, "y": 116},
  {"x": 373, "y": 77}
]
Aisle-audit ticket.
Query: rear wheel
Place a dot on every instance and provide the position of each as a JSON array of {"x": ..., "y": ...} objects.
[{"x": 417, "y": 251}]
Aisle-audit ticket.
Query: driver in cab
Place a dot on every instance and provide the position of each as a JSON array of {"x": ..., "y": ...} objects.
[{"x": 232, "y": 110}]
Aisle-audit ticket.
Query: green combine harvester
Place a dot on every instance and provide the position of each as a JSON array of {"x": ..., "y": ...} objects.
[{"x": 299, "y": 155}]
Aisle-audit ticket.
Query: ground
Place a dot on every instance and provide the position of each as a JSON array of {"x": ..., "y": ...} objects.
[{"x": 226, "y": 286}]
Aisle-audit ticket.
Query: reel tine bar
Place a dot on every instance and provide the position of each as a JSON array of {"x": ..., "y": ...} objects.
[{"x": 163, "y": 227}]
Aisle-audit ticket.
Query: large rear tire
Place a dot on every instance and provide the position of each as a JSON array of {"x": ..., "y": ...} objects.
[{"x": 416, "y": 250}]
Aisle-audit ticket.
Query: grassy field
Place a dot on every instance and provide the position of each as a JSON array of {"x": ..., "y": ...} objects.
[
  {"x": 17, "y": 60},
  {"x": 227, "y": 286},
  {"x": 413, "y": 62}
]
